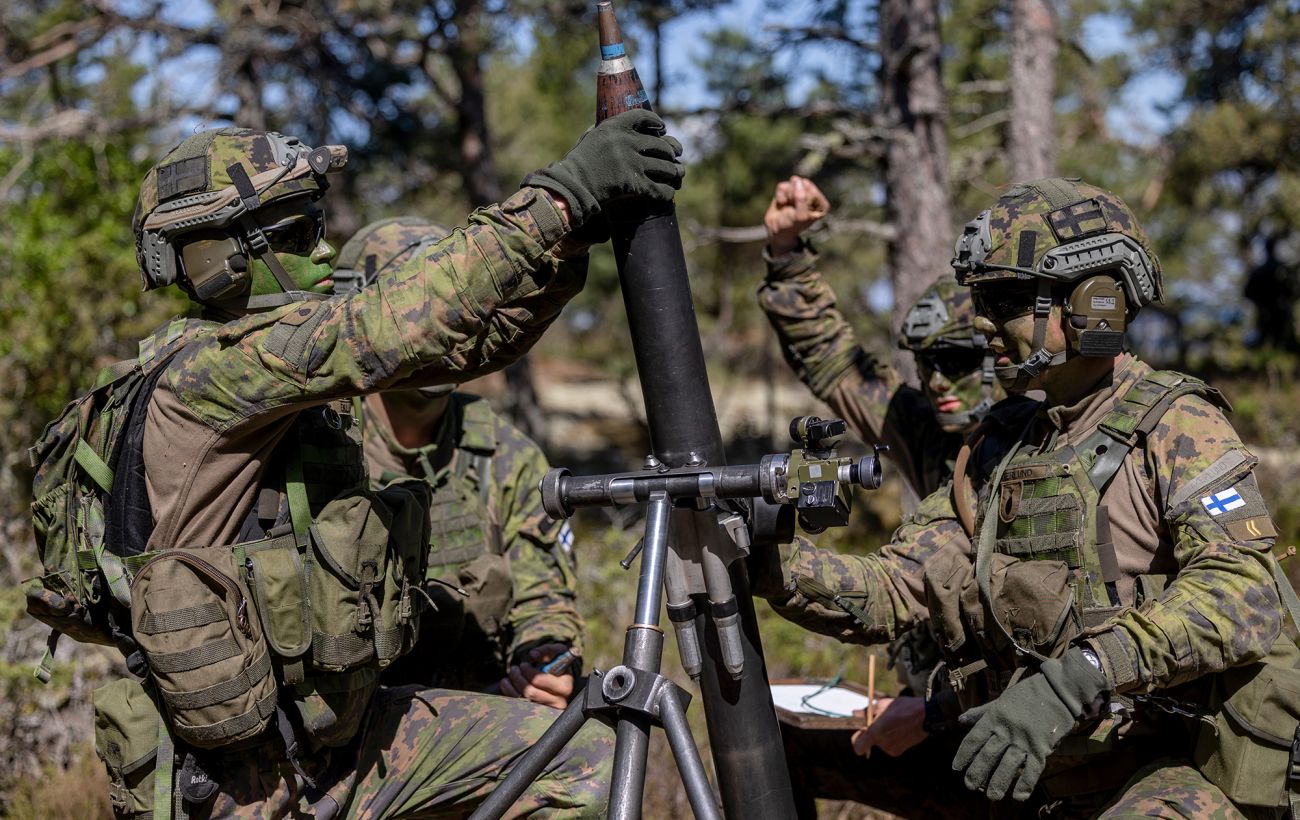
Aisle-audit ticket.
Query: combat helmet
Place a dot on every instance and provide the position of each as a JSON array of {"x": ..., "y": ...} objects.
[
  {"x": 939, "y": 328},
  {"x": 194, "y": 222},
  {"x": 1068, "y": 237},
  {"x": 380, "y": 247}
]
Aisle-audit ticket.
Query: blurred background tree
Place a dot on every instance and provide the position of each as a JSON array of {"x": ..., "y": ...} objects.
[{"x": 911, "y": 114}]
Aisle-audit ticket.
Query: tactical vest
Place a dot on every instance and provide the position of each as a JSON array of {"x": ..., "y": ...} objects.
[
  {"x": 285, "y": 630},
  {"x": 1044, "y": 563},
  {"x": 467, "y": 634},
  {"x": 1045, "y": 571}
]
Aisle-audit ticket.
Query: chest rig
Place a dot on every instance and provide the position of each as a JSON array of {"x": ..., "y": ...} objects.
[
  {"x": 466, "y": 636},
  {"x": 461, "y": 527},
  {"x": 1045, "y": 566}
]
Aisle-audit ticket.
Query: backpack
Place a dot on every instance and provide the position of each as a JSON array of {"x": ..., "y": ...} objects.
[{"x": 91, "y": 540}]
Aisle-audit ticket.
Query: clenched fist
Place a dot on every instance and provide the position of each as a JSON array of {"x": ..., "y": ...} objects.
[{"x": 796, "y": 205}]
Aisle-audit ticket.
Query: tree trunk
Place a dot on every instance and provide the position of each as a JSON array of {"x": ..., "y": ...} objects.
[
  {"x": 1031, "y": 135},
  {"x": 916, "y": 158},
  {"x": 483, "y": 186}
]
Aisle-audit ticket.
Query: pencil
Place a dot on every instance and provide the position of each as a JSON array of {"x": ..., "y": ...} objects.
[{"x": 871, "y": 689}]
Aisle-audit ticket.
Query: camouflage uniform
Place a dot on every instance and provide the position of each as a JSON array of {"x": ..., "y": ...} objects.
[
  {"x": 821, "y": 347},
  {"x": 213, "y": 434},
  {"x": 502, "y": 548},
  {"x": 1187, "y": 598},
  {"x": 491, "y": 536}
]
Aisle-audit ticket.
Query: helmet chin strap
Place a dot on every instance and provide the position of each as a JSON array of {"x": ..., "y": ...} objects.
[
  {"x": 1040, "y": 359},
  {"x": 257, "y": 241}
]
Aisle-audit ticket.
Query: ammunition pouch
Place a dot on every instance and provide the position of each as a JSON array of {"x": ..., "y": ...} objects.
[
  {"x": 126, "y": 740},
  {"x": 1032, "y": 601},
  {"x": 206, "y": 652},
  {"x": 1252, "y": 749}
]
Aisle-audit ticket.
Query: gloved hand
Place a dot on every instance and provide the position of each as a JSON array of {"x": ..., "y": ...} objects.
[
  {"x": 625, "y": 156},
  {"x": 1013, "y": 735}
]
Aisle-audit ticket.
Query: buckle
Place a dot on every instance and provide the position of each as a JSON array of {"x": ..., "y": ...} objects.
[{"x": 1036, "y": 362}]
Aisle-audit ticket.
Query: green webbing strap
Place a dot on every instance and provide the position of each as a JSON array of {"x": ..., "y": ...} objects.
[
  {"x": 115, "y": 574},
  {"x": 87, "y": 560},
  {"x": 296, "y": 490},
  {"x": 258, "y": 713},
  {"x": 44, "y": 669},
  {"x": 227, "y": 689},
  {"x": 94, "y": 466},
  {"x": 152, "y": 623},
  {"x": 113, "y": 372},
  {"x": 1287, "y": 592},
  {"x": 187, "y": 659},
  {"x": 164, "y": 773}
]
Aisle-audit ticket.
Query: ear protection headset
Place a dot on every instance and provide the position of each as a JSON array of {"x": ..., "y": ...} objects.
[
  {"x": 1097, "y": 313},
  {"x": 216, "y": 269}
]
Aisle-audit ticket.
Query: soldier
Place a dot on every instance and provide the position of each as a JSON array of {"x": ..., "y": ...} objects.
[
  {"x": 280, "y": 582},
  {"x": 1099, "y": 573},
  {"x": 924, "y": 430},
  {"x": 491, "y": 536}
]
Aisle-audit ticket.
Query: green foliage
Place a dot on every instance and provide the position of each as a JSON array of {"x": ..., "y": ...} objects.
[{"x": 70, "y": 299}]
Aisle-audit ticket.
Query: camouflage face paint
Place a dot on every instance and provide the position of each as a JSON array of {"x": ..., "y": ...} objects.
[{"x": 310, "y": 272}]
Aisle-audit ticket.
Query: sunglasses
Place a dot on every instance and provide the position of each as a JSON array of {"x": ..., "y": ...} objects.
[
  {"x": 296, "y": 235},
  {"x": 953, "y": 363},
  {"x": 1002, "y": 303}
]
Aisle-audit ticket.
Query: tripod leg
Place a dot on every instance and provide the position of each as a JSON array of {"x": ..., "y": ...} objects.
[
  {"x": 698, "y": 790},
  {"x": 631, "y": 749},
  {"x": 530, "y": 765}
]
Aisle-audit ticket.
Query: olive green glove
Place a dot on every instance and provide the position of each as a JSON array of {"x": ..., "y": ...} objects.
[
  {"x": 626, "y": 156},
  {"x": 1013, "y": 735}
]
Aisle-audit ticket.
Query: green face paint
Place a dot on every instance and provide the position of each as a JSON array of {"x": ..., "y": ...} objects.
[
  {"x": 311, "y": 271},
  {"x": 296, "y": 233}
]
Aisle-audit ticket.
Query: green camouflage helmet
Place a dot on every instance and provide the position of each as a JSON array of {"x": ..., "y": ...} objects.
[
  {"x": 940, "y": 330},
  {"x": 943, "y": 317},
  {"x": 212, "y": 183},
  {"x": 1064, "y": 231},
  {"x": 382, "y": 246}
]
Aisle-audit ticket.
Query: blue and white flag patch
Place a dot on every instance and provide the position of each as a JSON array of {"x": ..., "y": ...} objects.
[
  {"x": 1224, "y": 501},
  {"x": 565, "y": 538}
]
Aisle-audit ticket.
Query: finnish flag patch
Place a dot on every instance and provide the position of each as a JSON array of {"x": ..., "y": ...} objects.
[
  {"x": 1223, "y": 502},
  {"x": 565, "y": 538}
]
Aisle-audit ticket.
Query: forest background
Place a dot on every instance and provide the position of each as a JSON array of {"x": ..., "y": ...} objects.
[{"x": 911, "y": 114}]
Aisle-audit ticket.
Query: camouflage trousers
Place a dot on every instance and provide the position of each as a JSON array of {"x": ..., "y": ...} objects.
[
  {"x": 1168, "y": 788},
  {"x": 426, "y": 753},
  {"x": 1175, "y": 790}
]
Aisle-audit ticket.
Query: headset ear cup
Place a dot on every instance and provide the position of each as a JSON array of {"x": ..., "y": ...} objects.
[{"x": 1098, "y": 316}]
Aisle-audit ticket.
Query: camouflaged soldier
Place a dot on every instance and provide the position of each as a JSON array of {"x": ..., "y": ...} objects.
[
  {"x": 1100, "y": 572},
  {"x": 278, "y": 582},
  {"x": 490, "y": 536},
  {"x": 924, "y": 430}
]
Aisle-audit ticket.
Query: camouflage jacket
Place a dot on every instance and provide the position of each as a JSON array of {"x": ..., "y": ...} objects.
[
  {"x": 538, "y": 604},
  {"x": 1219, "y": 609},
  {"x": 822, "y": 349},
  {"x": 471, "y": 304}
]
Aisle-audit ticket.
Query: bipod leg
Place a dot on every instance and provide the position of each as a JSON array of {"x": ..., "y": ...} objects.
[{"x": 528, "y": 767}]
